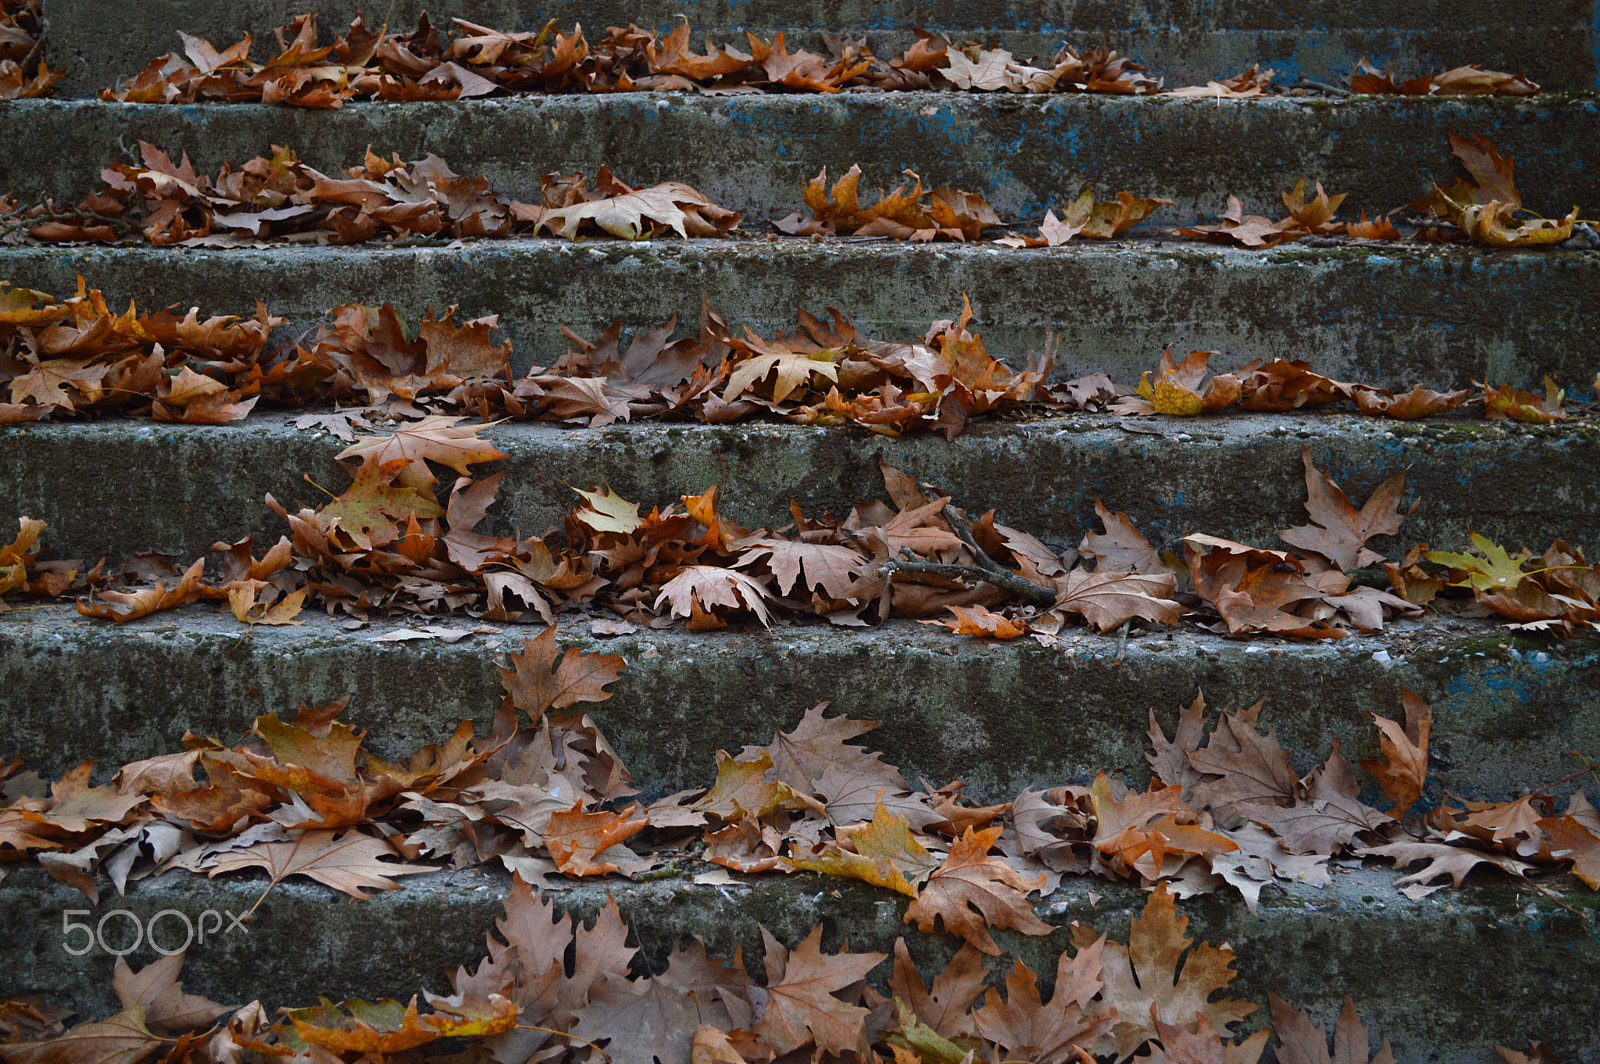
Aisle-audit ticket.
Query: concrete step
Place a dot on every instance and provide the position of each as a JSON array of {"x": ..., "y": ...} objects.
[
  {"x": 145, "y": 485},
  {"x": 1392, "y": 315},
  {"x": 1185, "y": 41},
  {"x": 754, "y": 153},
  {"x": 1444, "y": 978},
  {"x": 1507, "y": 710}
]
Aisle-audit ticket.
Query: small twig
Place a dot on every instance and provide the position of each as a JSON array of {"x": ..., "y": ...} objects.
[
  {"x": 1018, "y": 585},
  {"x": 1321, "y": 86}
]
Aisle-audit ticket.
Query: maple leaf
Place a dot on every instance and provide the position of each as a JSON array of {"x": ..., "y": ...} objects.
[
  {"x": 1110, "y": 599},
  {"x": 1143, "y": 983},
  {"x": 978, "y": 621},
  {"x": 537, "y": 682},
  {"x": 944, "y": 1005},
  {"x": 347, "y": 862},
  {"x": 636, "y": 214},
  {"x": 1443, "y": 860},
  {"x": 1494, "y": 571},
  {"x": 817, "y": 743},
  {"x": 1249, "y": 766},
  {"x": 155, "y": 988},
  {"x": 1122, "y": 548},
  {"x": 1302, "y": 1042},
  {"x": 1576, "y": 837},
  {"x": 1177, "y": 388},
  {"x": 791, "y": 369},
  {"x": 697, "y": 590},
  {"x": 1242, "y": 86},
  {"x": 1419, "y": 402},
  {"x": 1486, "y": 204},
  {"x": 744, "y": 786},
  {"x": 434, "y": 438},
  {"x": 1538, "y": 1053},
  {"x": 606, "y": 512},
  {"x": 121, "y": 1039},
  {"x": 883, "y": 853},
  {"x": 1058, "y": 1032},
  {"x": 386, "y": 1026},
  {"x": 1327, "y": 816},
  {"x": 1506, "y": 402},
  {"x": 577, "y": 839},
  {"x": 972, "y": 892},
  {"x": 1236, "y": 227},
  {"x": 1404, "y": 767},
  {"x": 375, "y": 503},
  {"x": 798, "y": 1006},
  {"x": 1203, "y": 1045},
  {"x": 132, "y": 605},
  {"x": 831, "y": 567}
]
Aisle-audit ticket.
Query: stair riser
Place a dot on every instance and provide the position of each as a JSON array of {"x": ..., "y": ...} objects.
[
  {"x": 753, "y": 154},
  {"x": 1184, "y": 41},
  {"x": 142, "y": 486},
  {"x": 1001, "y": 716},
  {"x": 1394, "y": 316},
  {"x": 1420, "y": 971}
]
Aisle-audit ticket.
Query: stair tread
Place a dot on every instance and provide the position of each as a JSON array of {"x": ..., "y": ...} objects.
[
  {"x": 1002, "y": 716},
  {"x": 1428, "y": 974},
  {"x": 1176, "y": 38},
  {"x": 1112, "y": 306},
  {"x": 1240, "y": 476},
  {"x": 753, "y": 153}
]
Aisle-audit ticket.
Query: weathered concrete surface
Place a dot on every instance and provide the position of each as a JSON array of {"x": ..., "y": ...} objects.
[
  {"x": 145, "y": 485},
  {"x": 1443, "y": 979},
  {"x": 753, "y": 154},
  {"x": 1185, "y": 41},
  {"x": 1001, "y": 716},
  {"x": 1395, "y": 316}
]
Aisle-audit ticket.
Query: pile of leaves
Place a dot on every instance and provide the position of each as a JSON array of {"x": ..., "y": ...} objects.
[
  {"x": 471, "y": 60},
  {"x": 23, "y": 71},
  {"x": 75, "y": 357},
  {"x": 279, "y": 198},
  {"x": 78, "y": 355},
  {"x": 543, "y": 794},
  {"x": 526, "y": 1000},
  {"x": 387, "y": 545},
  {"x": 1184, "y": 389},
  {"x": 1462, "y": 81}
]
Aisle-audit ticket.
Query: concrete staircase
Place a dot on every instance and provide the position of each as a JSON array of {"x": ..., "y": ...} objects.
[{"x": 1443, "y": 978}]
